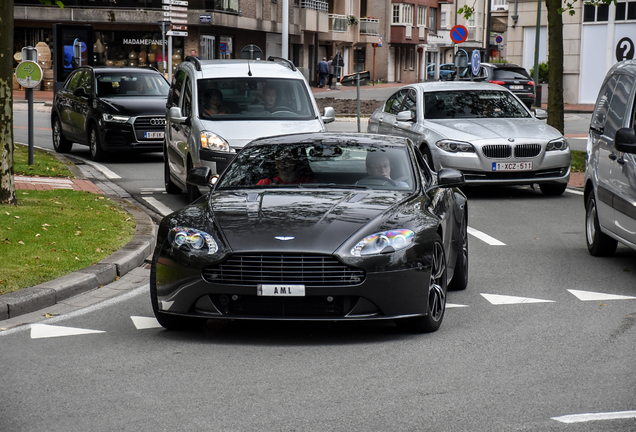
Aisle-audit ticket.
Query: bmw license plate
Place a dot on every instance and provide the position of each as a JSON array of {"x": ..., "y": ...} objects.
[
  {"x": 153, "y": 134},
  {"x": 281, "y": 290},
  {"x": 516, "y": 87},
  {"x": 512, "y": 166}
]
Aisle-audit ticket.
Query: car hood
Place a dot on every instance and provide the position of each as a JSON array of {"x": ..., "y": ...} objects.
[
  {"x": 488, "y": 129},
  {"x": 316, "y": 221},
  {"x": 240, "y": 132},
  {"x": 136, "y": 106}
]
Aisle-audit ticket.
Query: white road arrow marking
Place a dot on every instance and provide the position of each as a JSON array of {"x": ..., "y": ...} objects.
[
  {"x": 143, "y": 323},
  {"x": 451, "y": 305},
  {"x": 503, "y": 299},
  {"x": 594, "y": 296},
  {"x": 39, "y": 331},
  {"x": 485, "y": 237},
  {"x": 579, "y": 418}
]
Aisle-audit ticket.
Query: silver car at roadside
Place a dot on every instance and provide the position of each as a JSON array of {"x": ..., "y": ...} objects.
[{"x": 482, "y": 129}]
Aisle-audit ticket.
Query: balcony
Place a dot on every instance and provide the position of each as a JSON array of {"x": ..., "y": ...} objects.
[
  {"x": 316, "y": 5},
  {"x": 369, "y": 26},
  {"x": 338, "y": 23},
  {"x": 313, "y": 16}
]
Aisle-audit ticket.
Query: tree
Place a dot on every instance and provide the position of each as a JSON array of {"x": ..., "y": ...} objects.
[{"x": 7, "y": 184}]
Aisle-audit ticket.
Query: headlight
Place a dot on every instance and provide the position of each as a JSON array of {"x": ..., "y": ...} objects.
[
  {"x": 115, "y": 118},
  {"x": 455, "y": 146},
  {"x": 557, "y": 144},
  {"x": 192, "y": 239},
  {"x": 212, "y": 141},
  {"x": 387, "y": 241}
]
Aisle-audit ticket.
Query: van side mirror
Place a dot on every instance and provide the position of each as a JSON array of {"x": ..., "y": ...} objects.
[
  {"x": 625, "y": 140},
  {"x": 328, "y": 115},
  {"x": 404, "y": 116},
  {"x": 176, "y": 116}
]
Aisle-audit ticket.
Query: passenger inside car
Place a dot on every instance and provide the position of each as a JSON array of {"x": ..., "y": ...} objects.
[
  {"x": 214, "y": 103},
  {"x": 292, "y": 168}
]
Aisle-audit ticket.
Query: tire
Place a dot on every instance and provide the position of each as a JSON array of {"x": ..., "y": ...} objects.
[
  {"x": 460, "y": 277},
  {"x": 598, "y": 244},
  {"x": 60, "y": 144},
  {"x": 436, "y": 296},
  {"x": 428, "y": 157},
  {"x": 170, "y": 322},
  {"x": 553, "y": 189},
  {"x": 170, "y": 186},
  {"x": 95, "y": 145},
  {"x": 193, "y": 190}
]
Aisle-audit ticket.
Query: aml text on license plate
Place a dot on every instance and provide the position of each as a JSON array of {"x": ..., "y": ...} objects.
[
  {"x": 153, "y": 134},
  {"x": 512, "y": 166},
  {"x": 281, "y": 290}
]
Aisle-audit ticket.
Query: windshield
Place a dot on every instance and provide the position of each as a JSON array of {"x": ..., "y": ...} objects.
[
  {"x": 320, "y": 164},
  {"x": 472, "y": 104},
  {"x": 254, "y": 99},
  {"x": 131, "y": 84}
]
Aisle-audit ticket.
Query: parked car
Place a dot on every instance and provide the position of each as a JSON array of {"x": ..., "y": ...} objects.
[
  {"x": 303, "y": 227},
  {"x": 110, "y": 109},
  {"x": 610, "y": 170},
  {"x": 445, "y": 70},
  {"x": 479, "y": 128},
  {"x": 241, "y": 91},
  {"x": 513, "y": 77}
]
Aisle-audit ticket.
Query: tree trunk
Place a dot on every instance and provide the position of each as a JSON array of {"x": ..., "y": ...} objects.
[
  {"x": 7, "y": 185},
  {"x": 555, "y": 60}
]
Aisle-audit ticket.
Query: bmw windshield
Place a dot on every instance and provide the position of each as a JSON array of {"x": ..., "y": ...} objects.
[{"x": 472, "y": 104}]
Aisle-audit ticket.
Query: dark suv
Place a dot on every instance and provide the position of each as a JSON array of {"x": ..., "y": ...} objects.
[
  {"x": 513, "y": 77},
  {"x": 110, "y": 109}
]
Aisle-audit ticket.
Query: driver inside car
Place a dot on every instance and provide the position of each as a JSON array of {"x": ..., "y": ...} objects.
[
  {"x": 292, "y": 169},
  {"x": 379, "y": 165}
]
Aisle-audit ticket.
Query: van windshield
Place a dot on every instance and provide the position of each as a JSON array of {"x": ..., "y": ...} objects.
[{"x": 254, "y": 99}]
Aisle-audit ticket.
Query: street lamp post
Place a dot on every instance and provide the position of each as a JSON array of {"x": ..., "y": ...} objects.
[{"x": 163, "y": 25}]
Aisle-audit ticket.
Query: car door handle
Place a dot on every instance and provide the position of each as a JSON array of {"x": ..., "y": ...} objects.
[{"x": 613, "y": 156}]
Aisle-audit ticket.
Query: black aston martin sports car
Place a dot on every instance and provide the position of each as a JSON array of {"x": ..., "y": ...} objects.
[{"x": 317, "y": 226}]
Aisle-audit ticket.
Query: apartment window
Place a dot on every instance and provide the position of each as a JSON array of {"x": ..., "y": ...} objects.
[
  {"x": 442, "y": 19},
  {"x": 472, "y": 28},
  {"x": 402, "y": 13},
  {"x": 593, "y": 13},
  {"x": 626, "y": 10},
  {"x": 432, "y": 20},
  {"x": 421, "y": 16}
]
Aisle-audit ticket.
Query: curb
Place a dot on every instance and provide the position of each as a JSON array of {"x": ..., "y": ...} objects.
[{"x": 129, "y": 257}]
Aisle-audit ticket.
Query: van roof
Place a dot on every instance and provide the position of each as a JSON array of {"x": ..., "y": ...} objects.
[{"x": 241, "y": 68}]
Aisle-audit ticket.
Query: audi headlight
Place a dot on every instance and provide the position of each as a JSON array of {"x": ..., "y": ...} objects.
[
  {"x": 453, "y": 146},
  {"x": 115, "y": 118},
  {"x": 383, "y": 242},
  {"x": 557, "y": 144},
  {"x": 212, "y": 141},
  {"x": 192, "y": 239}
]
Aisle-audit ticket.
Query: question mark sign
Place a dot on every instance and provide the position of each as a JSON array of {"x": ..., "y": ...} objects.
[{"x": 625, "y": 49}]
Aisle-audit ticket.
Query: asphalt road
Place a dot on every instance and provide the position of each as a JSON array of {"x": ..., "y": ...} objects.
[{"x": 544, "y": 330}]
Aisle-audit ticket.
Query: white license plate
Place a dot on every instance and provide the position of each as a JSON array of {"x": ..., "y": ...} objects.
[
  {"x": 512, "y": 166},
  {"x": 281, "y": 290},
  {"x": 153, "y": 134},
  {"x": 516, "y": 87}
]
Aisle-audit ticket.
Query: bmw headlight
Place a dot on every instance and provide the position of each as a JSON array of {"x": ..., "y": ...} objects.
[
  {"x": 192, "y": 239},
  {"x": 557, "y": 144},
  {"x": 212, "y": 141},
  {"x": 453, "y": 146},
  {"x": 115, "y": 118},
  {"x": 383, "y": 242}
]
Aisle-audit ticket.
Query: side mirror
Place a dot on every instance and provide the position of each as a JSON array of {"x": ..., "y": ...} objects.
[
  {"x": 175, "y": 115},
  {"x": 540, "y": 114},
  {"x": 328, "y": 115},
  {"x": 625, "y": 140},
  {"x": 80, "y": 91},
  {"x": 450, "y": 177},
  {"x": 201, "y": 176},
  {"x": 405, "y": 116}
]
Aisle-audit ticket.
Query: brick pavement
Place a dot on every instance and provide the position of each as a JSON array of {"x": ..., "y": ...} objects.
[{"x": 50, "y": 183}]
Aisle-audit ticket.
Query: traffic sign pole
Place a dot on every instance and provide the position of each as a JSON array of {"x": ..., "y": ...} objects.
[{"x": 29, "y": 74}]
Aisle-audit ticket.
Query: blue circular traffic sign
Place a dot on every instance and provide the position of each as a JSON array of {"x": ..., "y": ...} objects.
[
  {"x": 475, "y": 62},
  {"x": 459, "y": 33}
]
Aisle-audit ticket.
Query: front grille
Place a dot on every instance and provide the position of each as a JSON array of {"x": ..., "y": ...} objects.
[
  {"x": 527, "y": 150},
  {"x": 308, "y": 270},
  {"x": 257, "y": 306},
  {"x": 496, "y": 151},
  {"x": 150, "y": 123}
]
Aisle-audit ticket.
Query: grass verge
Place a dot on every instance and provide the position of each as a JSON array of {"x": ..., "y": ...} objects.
[
  {"x": 44, "y": 164},
  {"x": 578, "y": 161}
]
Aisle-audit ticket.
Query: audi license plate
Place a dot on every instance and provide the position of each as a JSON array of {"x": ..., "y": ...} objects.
[
  {"x": 281, "y": 290},
  {"x": 153, "y": 135},
  {"x": 512, "y": 166},
  {"x": 516, "y": 87}
]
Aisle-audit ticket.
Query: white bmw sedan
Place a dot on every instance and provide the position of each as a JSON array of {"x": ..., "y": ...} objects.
[{"x": 481, "y": 129}]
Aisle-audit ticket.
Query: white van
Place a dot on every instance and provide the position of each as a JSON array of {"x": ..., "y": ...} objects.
[
  {"x": 215, "y": 107},
  {"x": 610, "y": 172}
]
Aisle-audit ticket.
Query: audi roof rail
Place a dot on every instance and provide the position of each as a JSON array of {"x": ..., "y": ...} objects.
[
  {"x": 196, "y": 61},
  {"x": 285, "y": 61}
]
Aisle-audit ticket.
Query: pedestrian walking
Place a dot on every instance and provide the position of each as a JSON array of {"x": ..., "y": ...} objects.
[
  {"x": 323, "y": 71},
  {"x": 331, "y": 72}
]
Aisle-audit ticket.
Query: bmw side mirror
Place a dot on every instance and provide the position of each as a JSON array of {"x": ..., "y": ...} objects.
[
  {"x": 450, "y": 177},
  {"x": 540, "y": 114},
  {"x": 625, "y": 140},
  {"x": 175, "y": 115},
  {"x": 328, "y": 115},
  {"x": 405, "y": 116}
]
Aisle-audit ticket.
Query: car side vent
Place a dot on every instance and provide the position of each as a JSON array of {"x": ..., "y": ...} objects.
[{"x": 497, "y": 151}]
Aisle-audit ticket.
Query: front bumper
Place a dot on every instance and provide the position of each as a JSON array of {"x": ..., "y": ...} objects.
[{"x": 133, "y": 136}]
